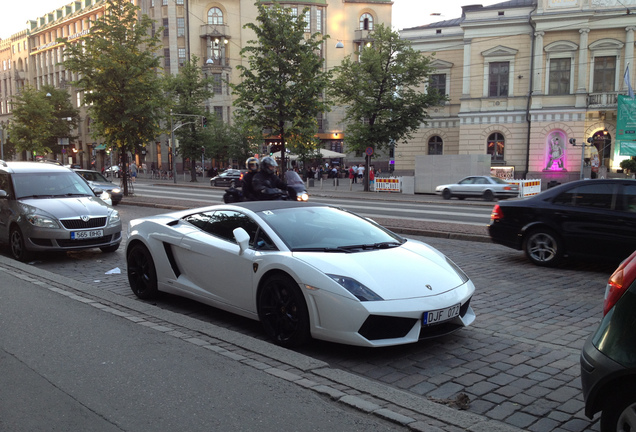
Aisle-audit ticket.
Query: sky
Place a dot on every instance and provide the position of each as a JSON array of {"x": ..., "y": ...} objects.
[{"x": 406, "y": 13}]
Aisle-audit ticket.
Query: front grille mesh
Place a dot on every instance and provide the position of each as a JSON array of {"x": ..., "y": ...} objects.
[{"x": 75, "y": 224}]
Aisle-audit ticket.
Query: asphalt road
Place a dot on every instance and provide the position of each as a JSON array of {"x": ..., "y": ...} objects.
[{"x": 518, "y": 363}]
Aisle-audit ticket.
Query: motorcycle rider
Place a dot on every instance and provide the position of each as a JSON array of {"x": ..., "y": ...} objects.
[
  {"x": 266, "y": 184},
  {"x": 252, "y": 164}
]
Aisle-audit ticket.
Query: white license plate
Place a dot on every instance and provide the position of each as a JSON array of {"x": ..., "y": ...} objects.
[
  {"x": 437, "y": 316},
  {"x": 83, "y": 235}
]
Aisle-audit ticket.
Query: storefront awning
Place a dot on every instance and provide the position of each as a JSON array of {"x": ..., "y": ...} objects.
[{"x": 628, "y": 148}]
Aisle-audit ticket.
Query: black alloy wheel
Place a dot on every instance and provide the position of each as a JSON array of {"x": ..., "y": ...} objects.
[
  {"x": 447, "y": 194},
  {"x": 142, "y": 275},
  {"x": 283, "y": 312}
]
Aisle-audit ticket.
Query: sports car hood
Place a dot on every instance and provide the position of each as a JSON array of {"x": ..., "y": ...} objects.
[
  {"x": 69, "y": 207},
  {"x": 399, "y": 273}
]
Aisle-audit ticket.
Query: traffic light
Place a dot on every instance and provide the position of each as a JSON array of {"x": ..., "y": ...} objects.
[
  {"x": 204, "y": 121},
  {"x": 573, "y": 141}
]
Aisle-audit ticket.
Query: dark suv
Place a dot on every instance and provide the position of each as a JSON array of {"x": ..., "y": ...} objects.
[
  {"x": 47, "y": 207},
  {"x": 608, "y": 359}
]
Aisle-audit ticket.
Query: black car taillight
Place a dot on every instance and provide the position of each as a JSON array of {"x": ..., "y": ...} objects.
[
  {"x": 618, "y": 283},
  {"x": 497, "y": 213}
]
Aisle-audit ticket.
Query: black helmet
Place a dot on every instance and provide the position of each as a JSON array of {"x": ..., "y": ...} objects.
[
  {"x": 252, "y": 164},
  {"x": 268, "y": 164}
]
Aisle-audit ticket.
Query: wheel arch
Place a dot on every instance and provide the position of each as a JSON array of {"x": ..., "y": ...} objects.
[
  {"x": 311, "y": 306},
  {"x": 612, "y": 386}
]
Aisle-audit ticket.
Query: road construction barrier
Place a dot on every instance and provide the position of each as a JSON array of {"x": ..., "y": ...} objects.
[
  {"x": 391, "y": 184},
  {"x": 527, "y": 187}
]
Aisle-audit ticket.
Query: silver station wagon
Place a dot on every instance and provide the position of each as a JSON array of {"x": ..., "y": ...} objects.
[{"x": 46, "y": 207}]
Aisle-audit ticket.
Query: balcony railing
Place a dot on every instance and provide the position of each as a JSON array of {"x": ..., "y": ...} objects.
[
  {"x": 602, "y": 100},
  {"x": 214, "y": 30},
  {"x": 217, "y": 61},
  {"x": 361, "y": 35}
]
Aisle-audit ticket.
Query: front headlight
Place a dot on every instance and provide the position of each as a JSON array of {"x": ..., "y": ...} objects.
[
  {"x": 105, "y": 196},
  {"x": 116, "y": 190},
  {"x": 114, "y": 218},
  {"x": 42, "y": 221},
  {"x": 360, "y": 291},
  {"x": 302, "y": 197}
]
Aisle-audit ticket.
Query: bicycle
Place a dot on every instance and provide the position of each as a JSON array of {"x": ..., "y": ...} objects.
[{"x": 131, "y": 187}]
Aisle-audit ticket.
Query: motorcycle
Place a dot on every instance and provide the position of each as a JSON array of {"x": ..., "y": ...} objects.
[{"x": 294, "y": 192}]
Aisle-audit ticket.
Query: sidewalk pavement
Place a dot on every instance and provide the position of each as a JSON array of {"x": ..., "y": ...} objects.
[{"x": 343, "y": 190}]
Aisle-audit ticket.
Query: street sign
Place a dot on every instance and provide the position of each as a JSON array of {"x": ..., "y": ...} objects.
[{"x": 369, "y": 151}]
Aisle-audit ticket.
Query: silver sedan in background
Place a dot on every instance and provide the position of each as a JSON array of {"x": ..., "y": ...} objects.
[{"x": 486, "y": 187}]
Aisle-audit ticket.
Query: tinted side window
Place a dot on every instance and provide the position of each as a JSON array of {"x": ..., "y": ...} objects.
[
  {"x": 593, "y": 195},
  {"x": 223, "y": 223},
  {"x": 629, "y": 198}
]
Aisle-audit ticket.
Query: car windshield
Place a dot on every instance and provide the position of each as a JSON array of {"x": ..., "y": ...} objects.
[
  {"x": 328, "y": 229},
  {"x": 50, "y": 184}
]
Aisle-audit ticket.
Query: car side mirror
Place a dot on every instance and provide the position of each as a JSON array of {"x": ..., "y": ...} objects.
[
  {"x": 3, "y": 194},
  {"x": 242, "y": 238},
  {"x": 98, "y": 191}
]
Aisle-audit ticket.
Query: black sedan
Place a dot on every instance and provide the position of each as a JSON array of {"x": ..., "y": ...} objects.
[
  {"x": 228, "y": 178},
  {"x": 608, "y": 359},
  {"x": 589, "y": 217}
]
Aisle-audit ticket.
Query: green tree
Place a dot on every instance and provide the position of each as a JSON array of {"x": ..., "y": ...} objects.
[
  {"x": 282, "y": 89},
  {"x": 244, "y": 139},
  {"x": 117, "y": 65},
  {"x": 629, "y": 165},
  {"x": 40, "y": 117},
  {"x": 188, "y": 92},
  {"x": 380, "y": 92}
]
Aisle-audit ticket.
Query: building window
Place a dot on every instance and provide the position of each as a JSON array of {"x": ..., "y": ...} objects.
[
  {"x": 182, "y": 56},
  {"x": 307, "y": 19},
  {"x": 215, "y": 16},
  {"x": 498, "y": 79},
  {"x": 366, "y": 22},
  {"x": 438, "y": 82},
  {"x": 217, "y": 83},
  {"x": 496, "y": 145},
  {"x": 604, "y": 74},
  {"x": 435, "y": 145},
  {"x": 165, "y": 27},
  {"x": 218, "y": 112},
  {"x": 319, "y": 20},
  {"x": 164, "y": 3},
  {"x": 559, "y": 76},
  {"x": 166, "y": 57},
  {"x": 179, "y": 2},
  {"x": 180, "y": 27}
]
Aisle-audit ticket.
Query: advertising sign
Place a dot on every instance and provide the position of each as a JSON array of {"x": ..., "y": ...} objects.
[{"x": 626, "y": 125}]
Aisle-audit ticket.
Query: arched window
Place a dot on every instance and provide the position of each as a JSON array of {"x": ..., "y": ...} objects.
[
  {"x": 366, "y": 22},
  {"x": 496, "y": 144},
  {"x": 435, "y": 145},
  {"x": 215, "y": 16}
]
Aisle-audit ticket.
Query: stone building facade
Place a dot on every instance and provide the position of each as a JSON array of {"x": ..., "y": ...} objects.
[
  {"x": 524, "y": 78},
  {"x": 213, "y": 31}
]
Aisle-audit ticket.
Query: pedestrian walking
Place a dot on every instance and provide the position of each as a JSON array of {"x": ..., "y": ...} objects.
[{"x": 133, "y": 171}]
